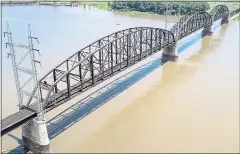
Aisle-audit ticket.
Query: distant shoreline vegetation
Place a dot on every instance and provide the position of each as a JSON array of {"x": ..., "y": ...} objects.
[
  {"x": 150, "y": 8},
  {"x": 159, "y": 7},
  {"x": 156, "y": 8},
  {"x": 130, "y": 7},
  {"x": 127, "y": 6}
]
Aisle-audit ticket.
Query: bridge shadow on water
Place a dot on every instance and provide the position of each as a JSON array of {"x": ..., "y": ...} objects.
[{"x": 78, "y": 111}]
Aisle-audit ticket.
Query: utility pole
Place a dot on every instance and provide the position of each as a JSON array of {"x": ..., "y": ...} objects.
[
  {"x": 178, "y": 22},
  {"x": 34, "y": 132},
  {"x": 166, "y": 16},
  {"x": 20, "y": 69},
  {"x": 14, "y": 64},
  {"x": 34, "y": 76}
]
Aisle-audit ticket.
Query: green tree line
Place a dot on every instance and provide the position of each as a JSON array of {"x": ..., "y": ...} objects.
[{"x": 159, "y": 7}]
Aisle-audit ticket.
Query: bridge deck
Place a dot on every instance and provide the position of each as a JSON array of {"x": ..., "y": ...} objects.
[{"x": 17, "y": 119}]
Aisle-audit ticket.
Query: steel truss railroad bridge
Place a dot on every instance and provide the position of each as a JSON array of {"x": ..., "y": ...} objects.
[{"x": 108, "y": 56}]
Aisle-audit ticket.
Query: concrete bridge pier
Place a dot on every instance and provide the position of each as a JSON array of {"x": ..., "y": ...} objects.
[
  {"x": 207, "y": 31},
  {"x": 170, "y": 53},
  {"x": 224, "y": 20},
  {"x": 35, "y": 136}
]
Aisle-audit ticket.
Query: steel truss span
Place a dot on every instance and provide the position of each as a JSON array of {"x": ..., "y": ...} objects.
[
  {"x": 194, "y": 21},
  {"x": 113, "y": 53},
  {"x": 234, "y": 12},
  {"x": 180, "y": 22},
  {"x": 219, "y": 11},
  {"x": 99, "y": 61},
  {"x": 190, "y": 23}
]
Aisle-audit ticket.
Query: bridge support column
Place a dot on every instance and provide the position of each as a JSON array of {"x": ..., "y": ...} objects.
[
  {"x": 170, "y": 53},
  {"x": 35, "y": 136},
  {"x": 207, "y": 31},
  {"x": 224, "y": 20}
]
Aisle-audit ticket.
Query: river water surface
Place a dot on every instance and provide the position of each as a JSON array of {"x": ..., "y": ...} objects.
[{"x": 188, "y": 106}]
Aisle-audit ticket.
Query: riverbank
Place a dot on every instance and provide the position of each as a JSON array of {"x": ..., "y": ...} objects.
[
  {"x": 65, "y": 3},
  {"x": 97, "y": 4},
  {"x": 107, "y": 7},
  {"x": 19, "y": 3},
  {"x": 237, "y": 18}
]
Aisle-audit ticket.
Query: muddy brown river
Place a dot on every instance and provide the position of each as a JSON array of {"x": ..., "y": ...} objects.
[{"x": 188, "y": 106}]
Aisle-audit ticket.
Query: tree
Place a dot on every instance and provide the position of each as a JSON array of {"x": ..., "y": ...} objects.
[{"x": 160, "y": 7}]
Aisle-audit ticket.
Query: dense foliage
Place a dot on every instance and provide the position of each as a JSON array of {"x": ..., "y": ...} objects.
[{"x": 159, "y": 7}]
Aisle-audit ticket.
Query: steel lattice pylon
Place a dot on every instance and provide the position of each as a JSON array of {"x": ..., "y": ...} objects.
[{"x": 22, "y": 70}]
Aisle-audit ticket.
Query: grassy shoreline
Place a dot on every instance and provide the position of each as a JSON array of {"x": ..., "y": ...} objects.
[{"x": 104, "y": 6}]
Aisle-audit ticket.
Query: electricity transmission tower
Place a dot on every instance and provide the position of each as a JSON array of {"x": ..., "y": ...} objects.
[
  {"x": 24, "y": 68},
  {"x": 166, "y": 16}
]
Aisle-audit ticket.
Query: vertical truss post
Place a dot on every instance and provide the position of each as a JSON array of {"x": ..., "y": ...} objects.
[
  {"x": 111, "y": 57},
  {"x": 127, "y": 49},
  {"x": 100, "y": 59},
  {"x": 91, "y": 69},
  {"x": 134, "y": 48},
  {"x": 130, "y": 44},
  {"x": 80, "y": 71},
  {"x": 141, "y": 33},
  {"x": 116, "y": 47},
  {"x": 164, "y": 39},
  {"x": 156, "y": 39},
  {"x": 120, "y": 53},
  {"x": 108, "y": 53},
  {"x": 151, "y": 39},
  {"x": 68, "y": 81},
  {"x": 146, "y": 43},
  {"x": 54, "y": 79},
  {"x": 160, "y": 38}
]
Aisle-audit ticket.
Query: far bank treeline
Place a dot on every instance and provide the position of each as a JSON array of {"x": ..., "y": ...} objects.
[{"x": 159, "y": 7}]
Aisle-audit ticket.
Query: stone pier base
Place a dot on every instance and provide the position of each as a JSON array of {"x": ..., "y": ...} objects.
[
  {"x": 170, "y": 53},
  {"x": 35, "y": 136},
  {"x": 224, "y": 20},
  {"x": 207, "y": 31}
]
